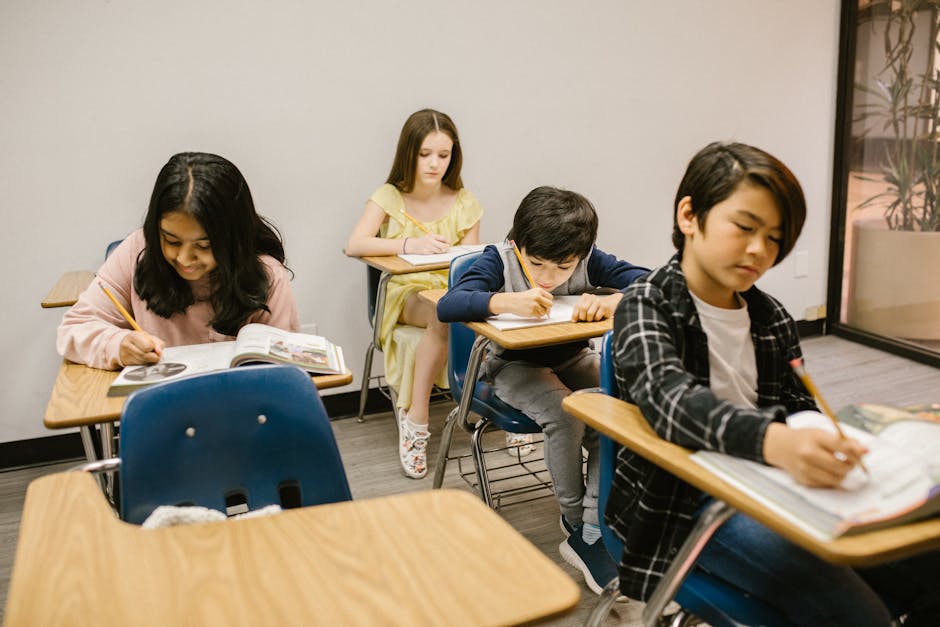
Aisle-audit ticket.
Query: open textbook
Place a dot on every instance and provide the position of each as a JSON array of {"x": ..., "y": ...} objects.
[
  {"x": 255, "y": 343},
  {"x": 561, "y": 311},
  {"x": 454, "y": 251},
  {"x": 903, "y": 484}
]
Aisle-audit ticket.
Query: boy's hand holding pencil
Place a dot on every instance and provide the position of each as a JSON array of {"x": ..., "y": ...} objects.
[
  {"x": 533, "y": 303},
  {"x": 814, "y": 457}
]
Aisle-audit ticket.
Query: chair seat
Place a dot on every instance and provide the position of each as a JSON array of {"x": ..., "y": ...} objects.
[{"x": 485, "y": 403}]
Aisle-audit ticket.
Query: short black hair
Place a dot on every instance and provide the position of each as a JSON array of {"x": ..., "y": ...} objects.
[
  {"x": 554, "y": 224},
  {"x": 717, "y": 170}
]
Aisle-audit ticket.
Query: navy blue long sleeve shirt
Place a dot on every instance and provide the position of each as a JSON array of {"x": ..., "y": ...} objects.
[{"x": 469, "y": 299}]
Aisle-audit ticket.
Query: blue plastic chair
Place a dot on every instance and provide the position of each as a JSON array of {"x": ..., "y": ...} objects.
[
  {"x": 110, "y": 248},
  {"x": 493, "y": 413},
  {"x": 701, "y": 595},
  {"x": 233, "y": 440}
]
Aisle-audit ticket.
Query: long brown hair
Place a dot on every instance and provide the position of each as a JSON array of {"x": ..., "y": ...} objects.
[{"x": 417, "y": 127}]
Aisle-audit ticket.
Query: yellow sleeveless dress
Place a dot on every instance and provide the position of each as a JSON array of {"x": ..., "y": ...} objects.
[{"x": 399, "y": 347}]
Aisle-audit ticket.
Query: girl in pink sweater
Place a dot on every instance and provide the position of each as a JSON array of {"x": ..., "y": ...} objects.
[{"x": 203, "y": 265}]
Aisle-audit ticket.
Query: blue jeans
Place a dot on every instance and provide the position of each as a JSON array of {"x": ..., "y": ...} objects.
[{"x": 811, "y": 591}]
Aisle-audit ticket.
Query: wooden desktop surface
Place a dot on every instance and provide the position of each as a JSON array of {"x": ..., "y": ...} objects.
[
  {"x": 393, "y": 264},
  {"x": 531, "y": 337},
  {"x": 80, "y": 396},
  {"x": 357, "y": 562},
  {"x": 624, "y": 423},
  {"x": 68, "y": 288}
]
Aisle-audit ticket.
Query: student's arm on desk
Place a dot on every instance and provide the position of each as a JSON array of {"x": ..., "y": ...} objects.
[
  {"x": 677, "y": 407},
  {"x": 92, "y": 330},
  {"x": 469, "y": 299},
  {"x": 364, "y": 241}
]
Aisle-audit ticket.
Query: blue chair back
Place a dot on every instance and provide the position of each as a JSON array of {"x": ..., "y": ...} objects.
[
  {"x": 485, "y": 403},
  {"x": 253, "y": 436},
  {"x": 372, "y": 276},
  {"x": 714, "y": 601},
  {"x": 608, "y": 450},
  {"x": 110, "y": 248}
]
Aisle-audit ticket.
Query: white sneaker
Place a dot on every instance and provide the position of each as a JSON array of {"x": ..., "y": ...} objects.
[
  {"x": 519, "y": 444},
  {"x": 412, "y": 447}
]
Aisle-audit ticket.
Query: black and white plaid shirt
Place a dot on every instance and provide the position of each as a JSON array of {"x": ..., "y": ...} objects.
[{"x": 661, "y": 364}]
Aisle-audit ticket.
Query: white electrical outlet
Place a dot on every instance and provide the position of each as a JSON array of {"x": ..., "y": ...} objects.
[{"x": 801, "y": 264}]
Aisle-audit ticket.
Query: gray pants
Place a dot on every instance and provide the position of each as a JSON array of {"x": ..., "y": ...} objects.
[{"x": 537, "y": 391}]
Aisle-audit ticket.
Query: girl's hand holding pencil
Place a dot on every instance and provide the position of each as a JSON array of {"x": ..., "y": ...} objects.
[
  {"x": 137, "y": 347},
  {"x": 426, "y": 245},
  {"x": 429, "y": 244}
]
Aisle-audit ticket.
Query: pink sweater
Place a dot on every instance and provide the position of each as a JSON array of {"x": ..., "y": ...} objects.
[{"x": 92, "y": 329}]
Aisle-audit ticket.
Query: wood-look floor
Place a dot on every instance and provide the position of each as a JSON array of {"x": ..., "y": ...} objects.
[{"x": 846, "y": 373}]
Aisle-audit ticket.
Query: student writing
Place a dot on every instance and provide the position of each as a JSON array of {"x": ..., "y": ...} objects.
[
  {"x": 555, "y": 231},
  {"x": 425, "y": 182},
  {"x": 203, "y": 265},
  {"x": 705, "y": 355}
]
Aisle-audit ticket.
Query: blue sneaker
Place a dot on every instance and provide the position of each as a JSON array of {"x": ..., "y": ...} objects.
[
  {"x": 566, "y": 527},
  {"x": 591, "y": 559}
]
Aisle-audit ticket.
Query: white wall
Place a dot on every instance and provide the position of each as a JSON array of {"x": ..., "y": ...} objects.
[{"x": 609, "y": 98}]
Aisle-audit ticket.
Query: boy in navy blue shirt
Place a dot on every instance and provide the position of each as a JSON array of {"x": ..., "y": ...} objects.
[{"x": 555, "y": 231}]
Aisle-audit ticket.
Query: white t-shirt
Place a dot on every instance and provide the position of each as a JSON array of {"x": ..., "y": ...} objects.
[{"x": 731, "y": 361}]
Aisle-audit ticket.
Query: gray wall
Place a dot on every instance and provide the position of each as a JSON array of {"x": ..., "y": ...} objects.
[{"x": 609, "y": 98}]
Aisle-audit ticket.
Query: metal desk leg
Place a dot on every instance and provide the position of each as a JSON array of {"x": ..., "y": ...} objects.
[
  {"x": 374, "y": 344},
  {"x": 108, "y": 452},
  {"x": 91, "y": 455},
  {"x": 460, "y": 413},
  {"x": 708, "y": 522}
]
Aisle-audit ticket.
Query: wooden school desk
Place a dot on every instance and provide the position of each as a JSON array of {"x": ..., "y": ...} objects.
[
  {"x": 80, "y": 399},
  {"x": 625, "y": 424},
  {"x": 67, "y": 289},
  {"x": 512, "y": 339},
  {"x": 388, "y": 266},
  {"x": 351, "y": 563}
]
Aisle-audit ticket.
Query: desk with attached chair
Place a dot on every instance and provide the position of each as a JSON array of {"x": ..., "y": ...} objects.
[
  {"x": 467, "y": 346},
  {"x": 701, "y": 594},
  {"x": 379, "y": 270}
]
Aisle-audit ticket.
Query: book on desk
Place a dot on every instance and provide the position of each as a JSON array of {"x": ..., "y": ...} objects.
[
  {"x": 452, "y": 252},
  {"x": 255, "y": 343},
  {"x": 902, "y": 485}
]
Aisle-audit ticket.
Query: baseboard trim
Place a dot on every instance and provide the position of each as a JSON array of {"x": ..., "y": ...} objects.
[
  {"x": 810, "y": 328},
  {"x": 68, "y": 446}
]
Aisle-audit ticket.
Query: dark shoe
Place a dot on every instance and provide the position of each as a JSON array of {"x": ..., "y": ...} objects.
[
  {"x": 566, "y": 527},
  {"x": 591, "y": 559}
]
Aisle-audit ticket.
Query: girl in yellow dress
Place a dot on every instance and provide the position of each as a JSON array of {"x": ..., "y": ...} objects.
[{"x": 425, "y": 182}]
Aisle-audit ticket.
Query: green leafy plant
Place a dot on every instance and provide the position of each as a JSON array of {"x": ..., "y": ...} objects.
[{"x": 907, "y": 104}]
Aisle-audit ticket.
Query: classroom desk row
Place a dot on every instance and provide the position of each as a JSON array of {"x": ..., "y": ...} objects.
[{"x": 79, "y": 400}]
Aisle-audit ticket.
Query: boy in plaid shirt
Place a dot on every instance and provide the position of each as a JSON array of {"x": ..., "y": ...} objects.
[{"x": 705, "y": 355}]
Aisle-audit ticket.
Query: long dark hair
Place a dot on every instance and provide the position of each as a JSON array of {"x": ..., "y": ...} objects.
[
  {"x": 419, "y": 125},
  {"x": 211, "y": 190}
]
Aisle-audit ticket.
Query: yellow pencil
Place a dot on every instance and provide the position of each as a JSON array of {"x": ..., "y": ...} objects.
[
  {"x": 120, "y": 308},
  {"x": 525, "y": 268},
  {"x": 416, "y": 223},
  {"x": 797, "y": 365}
]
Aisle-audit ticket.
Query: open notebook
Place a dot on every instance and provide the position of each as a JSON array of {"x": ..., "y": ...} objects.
[
  {"x": 903, "y": 485},
  {"x": 562, "y": 308},
  {"x": 455, "y": 251}
]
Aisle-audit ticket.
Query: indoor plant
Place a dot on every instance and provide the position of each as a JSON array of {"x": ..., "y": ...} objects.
[{"x": 893, "y": 288}]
